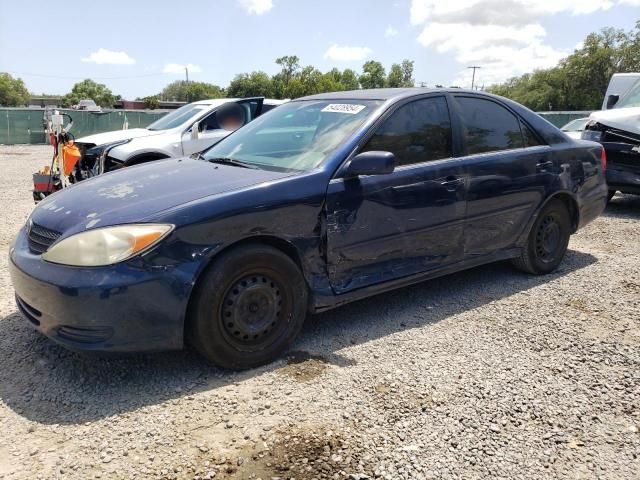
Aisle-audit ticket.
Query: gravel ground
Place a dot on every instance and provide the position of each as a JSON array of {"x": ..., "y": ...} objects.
[{"x": 488, "y": 373}]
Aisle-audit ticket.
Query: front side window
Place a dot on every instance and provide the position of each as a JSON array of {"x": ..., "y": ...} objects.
[
  {"x": 417, "y": 132},
  {"x": 631, "y": 98},
  {"x": 488, "y": 126},
  {"x": 296, "y": 136}
]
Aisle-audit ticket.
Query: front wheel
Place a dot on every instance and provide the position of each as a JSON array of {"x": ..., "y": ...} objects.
[
  {"x": 547, "y": 241},
  {"x": 248, "y": 306}
]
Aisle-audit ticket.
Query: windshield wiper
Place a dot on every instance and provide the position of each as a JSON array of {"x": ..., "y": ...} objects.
[{"x": 234, "y": 162}]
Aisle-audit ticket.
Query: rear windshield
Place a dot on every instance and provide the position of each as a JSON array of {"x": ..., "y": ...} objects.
[{"x": 178, "y": 117}]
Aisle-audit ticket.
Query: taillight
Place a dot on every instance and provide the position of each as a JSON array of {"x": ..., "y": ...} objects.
[{"x": 603, "y": 159}]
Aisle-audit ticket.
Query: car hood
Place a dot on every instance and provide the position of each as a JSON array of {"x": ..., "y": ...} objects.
[
  {"x": 627, "y": 119},
  {"x": 118, "y": 135},
  {"x": 136, "y": 194}
]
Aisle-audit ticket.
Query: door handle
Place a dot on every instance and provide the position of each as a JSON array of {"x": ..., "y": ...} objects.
[
  {"x": 452, "y": 182},
  {"x": 544, "y": 166}
]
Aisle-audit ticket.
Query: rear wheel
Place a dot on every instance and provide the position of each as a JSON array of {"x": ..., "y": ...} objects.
[
  {"x": 548, "y": 240},
  {"x": 248, "y": 306}
]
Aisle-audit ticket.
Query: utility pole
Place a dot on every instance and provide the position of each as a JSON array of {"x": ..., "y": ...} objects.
[
  {"x": 473, "y": 78},
  {"x": 186, "y": 71}
]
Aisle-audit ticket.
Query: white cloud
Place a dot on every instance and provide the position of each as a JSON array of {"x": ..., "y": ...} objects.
[
  {"x": 391, "y": 31},
  {"x": 256, "y": 7},
  {"x": 504, "y": 37},
  {"x": 102, "y": 56},
  {"x": 346, "y": 54},
  {"x": 178, "y": 69}
]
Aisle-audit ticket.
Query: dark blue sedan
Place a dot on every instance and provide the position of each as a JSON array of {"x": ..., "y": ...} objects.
[{"x": 322, "y": 201}]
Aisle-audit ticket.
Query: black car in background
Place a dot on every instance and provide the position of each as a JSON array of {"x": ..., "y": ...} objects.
[
  {"x": 618, "y": 130},
  {"x": 322, "y": 201}
]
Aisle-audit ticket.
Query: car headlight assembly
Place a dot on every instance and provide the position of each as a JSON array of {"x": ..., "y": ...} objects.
[
  {"x": 107, "y": 245},
  {"x": 592, "y": 131}
]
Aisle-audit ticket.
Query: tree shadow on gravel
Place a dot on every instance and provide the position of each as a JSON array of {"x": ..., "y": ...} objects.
[
  {"x": 48, "y": 384},
  {"x": 623, "y": 206}
]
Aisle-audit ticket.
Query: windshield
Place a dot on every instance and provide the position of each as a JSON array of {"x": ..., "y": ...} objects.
[
  {"x": 631, "y": 98},
  {"x": 575, "y": 125},
  {"x": 178, "y": 117},
  {"x": 296, "y": 136}
]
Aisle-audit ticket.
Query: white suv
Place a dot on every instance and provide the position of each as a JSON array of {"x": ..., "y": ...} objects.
[{"x": 190, "y": 129}]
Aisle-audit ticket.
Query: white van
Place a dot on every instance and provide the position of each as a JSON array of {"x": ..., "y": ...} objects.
[{"x": 619, "y": 85}]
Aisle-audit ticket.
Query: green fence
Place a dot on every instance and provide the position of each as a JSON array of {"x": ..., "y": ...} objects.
[
  {"x": 25, "y": 125},
  {"x": 560, "y": 119}
]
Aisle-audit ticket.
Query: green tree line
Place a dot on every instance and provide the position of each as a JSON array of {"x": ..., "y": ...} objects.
[
  {"x": 292, "y": 81},
  {"x": 580, "y": 80}
]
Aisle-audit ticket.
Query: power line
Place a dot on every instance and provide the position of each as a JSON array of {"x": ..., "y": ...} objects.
[{"x": 24, "y": 74}]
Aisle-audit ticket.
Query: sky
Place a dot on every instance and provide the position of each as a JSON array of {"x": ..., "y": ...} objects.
[{"x": 138, "y": 47}]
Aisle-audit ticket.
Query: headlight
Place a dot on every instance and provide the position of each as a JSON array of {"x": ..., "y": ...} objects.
[
  {"x": 106, "y": 246},
  {"x": 594, "y": 135},
  {"x": 103, "y": 149}
]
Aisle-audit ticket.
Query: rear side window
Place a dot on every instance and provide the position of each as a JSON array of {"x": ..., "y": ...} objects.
[
  {"x": 419, "y": 131},
  {"x": 488, "y": 126}
]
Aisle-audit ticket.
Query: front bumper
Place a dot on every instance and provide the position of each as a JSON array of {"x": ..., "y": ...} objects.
[{"x": 120, "y": 308}]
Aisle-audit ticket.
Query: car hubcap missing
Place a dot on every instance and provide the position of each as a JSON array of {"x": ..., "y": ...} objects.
[
  {"x": 251, "y": 310},
  {"x": 548, "y": 238}
]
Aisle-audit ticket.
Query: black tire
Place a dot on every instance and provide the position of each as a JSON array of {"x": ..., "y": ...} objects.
[
  {"x": 548, "y": 240},
  {"x": 610, "y": 195},
  {"x": 247, "y": 307}
]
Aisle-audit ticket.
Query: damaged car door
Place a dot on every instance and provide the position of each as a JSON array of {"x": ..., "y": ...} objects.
[
  {"x": 386, "y": 226},
  {"x": 509, "y": 172}
]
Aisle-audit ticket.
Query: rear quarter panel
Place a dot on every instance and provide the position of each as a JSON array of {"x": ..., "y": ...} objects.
[{"x": 582, "y": 175}]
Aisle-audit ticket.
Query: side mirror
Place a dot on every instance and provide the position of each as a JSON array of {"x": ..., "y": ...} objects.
[
  {"x": 370, "y": 163},
  {"x": 612, "y": 100},
  {"x": 195, "y": 131}
]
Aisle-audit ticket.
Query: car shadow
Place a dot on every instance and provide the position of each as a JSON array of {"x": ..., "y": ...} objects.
[
  {"x": 623, "y": 206},
  {"x": 47, "y": 384}
]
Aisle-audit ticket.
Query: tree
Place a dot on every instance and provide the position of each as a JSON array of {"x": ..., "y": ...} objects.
[
  {"x": 580, "y": 80},
  {"x": 373, "y": 75},
  {"x": 183, "y": 91},
  {"x": 400, "y": 75},
  {"x": 152, "y": 102},
  {"x": 349, "y": 80},
  {"x": 290, "y": 65},
  {"x": 254, "y": 84},
  {"x": 407, "y": 73},
  {"x": 88, "y": 89},
  {"x": 394, "y": 79},
  {"x": 13, "y": 93}
]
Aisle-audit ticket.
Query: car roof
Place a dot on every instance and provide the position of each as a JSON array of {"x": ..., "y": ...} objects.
[
  {"x": 550, "y": 133},
  {"x": 220, "y": 101},
  {"x": 382, "y": 93}
]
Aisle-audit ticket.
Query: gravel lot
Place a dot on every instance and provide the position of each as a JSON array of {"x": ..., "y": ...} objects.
[{"x": 488, "y": 373}]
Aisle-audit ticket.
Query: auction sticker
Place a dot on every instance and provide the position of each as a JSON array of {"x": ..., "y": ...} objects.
[{"x": 344, "y": 108}]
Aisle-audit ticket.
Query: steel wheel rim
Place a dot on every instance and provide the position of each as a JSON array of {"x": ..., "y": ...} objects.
[
  {"x": 251, "y": 312},
  {"x": 548, "y": 239}
]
